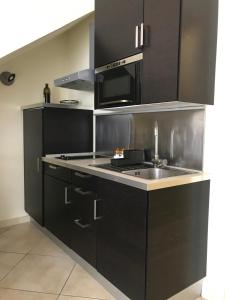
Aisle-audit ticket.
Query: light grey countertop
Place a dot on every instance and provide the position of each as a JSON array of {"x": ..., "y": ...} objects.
[
  {"x": 86, "y": 166},
  {"x": 54, "y": 105}
]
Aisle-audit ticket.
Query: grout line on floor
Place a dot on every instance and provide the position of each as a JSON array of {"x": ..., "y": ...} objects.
[
  {"x": 82, "y": 297},
  {"x": 75, "y": 264},
  {"x": 12, "y": 252},
  {"x": 22, "y": 290},
  {"x": 13, "y": 267}
]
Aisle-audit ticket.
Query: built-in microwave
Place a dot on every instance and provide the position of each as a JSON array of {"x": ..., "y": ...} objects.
[{"x": 119, "y": 83}]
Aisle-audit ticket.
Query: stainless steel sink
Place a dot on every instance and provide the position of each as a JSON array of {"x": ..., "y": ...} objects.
[{"x": 157, "y": 173}]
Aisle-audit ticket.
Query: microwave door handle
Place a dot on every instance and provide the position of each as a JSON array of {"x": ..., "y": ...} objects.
[{"x": 116, "y": 102}]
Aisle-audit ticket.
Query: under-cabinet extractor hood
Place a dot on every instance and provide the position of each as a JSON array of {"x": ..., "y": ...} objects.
[{"x": 84, "y": 79}]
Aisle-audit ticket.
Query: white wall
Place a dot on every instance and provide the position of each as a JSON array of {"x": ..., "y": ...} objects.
[
  {"x": 33, "y": 68},
  {"x": 214, "y": 284},
  {"x": 24, "y": 21}
]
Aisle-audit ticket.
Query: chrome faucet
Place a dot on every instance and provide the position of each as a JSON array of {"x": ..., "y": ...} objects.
[{"x": 157, "y": 162}]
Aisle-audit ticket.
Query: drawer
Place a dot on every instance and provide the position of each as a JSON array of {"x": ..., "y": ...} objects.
[
  {"x": 84, "y": 180},
  {"x": 58, "y": 172}
]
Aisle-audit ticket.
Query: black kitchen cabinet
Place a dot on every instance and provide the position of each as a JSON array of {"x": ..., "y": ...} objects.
[
  {"x": 115, "y": 29},
  {"x": 49, "y": 131},
  {"x": 179, "y": 46},
  {"x": 33, "y": 151},
  {"x": 57, "y": 207},
  {"x": 121, "y": 237},
  {"x": 84, "y": 201},
  {"x": 177, "y": 239},
  {"x": 83, "y": 238},
  {"x": 150, "y": 245}
]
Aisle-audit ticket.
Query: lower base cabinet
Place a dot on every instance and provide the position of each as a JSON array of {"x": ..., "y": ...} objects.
[
  {"x": 83, "y": 227},
  {"x": 150, "y": 245},
  {"x": 57, "y": 207},
  {"x": 121, "y": 237}
]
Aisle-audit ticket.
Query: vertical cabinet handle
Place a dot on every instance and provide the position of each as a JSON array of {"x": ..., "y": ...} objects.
[
  {"x": 38, "y": 164},
  {"x": 139, "y": 41},
  {"x": 66, "y": 196},
  {"x": 96, "y": 217},
  {"x": 142, "y": 35},
  {"x": 137, "y": 36}
]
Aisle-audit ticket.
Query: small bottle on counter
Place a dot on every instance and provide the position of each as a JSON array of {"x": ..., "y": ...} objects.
[{"x": 47, "y": 93}]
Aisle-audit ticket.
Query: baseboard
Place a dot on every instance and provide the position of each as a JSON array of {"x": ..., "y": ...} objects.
[{"x": 14, "y": 221}]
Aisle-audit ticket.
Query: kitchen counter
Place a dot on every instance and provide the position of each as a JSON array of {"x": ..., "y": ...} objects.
[
  {"x": 54, "y": 105},
  {"x": 86, "y": 166}
]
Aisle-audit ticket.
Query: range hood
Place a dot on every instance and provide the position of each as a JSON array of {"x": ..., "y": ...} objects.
[{"x": 84, "y": 79}]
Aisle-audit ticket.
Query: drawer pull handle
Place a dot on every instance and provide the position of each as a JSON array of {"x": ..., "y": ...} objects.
[
  {"x": 83, "y": 226},
  {"x": 52, "y": 167},
  {"x": 95, "y": 209},
  {"x": 66, "y": 196},
  {"x": 81, "y": 192},
  {"x": 81, "y": 175}
]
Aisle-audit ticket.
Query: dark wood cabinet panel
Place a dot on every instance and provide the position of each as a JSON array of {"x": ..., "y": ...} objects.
[
  {"x": 177, "y": 239},
  {"x": 121, "y": 237},
  {"x": 115, "y": 23},
  {"x": 57, "y": 206},
  {"x": 33, "y": 151},
  {"x": 198, "y": 41},
  {"x": 67, "y": 130},
  {"x": 58, "y": 172},
  {"x": 161, "y": 52},
  {"x": 83, "y": 228}
]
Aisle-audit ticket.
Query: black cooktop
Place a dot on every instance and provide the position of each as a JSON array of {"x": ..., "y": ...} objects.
[
  {"x": 75, "y": 157},
  {"x": 122, "y": 169}
]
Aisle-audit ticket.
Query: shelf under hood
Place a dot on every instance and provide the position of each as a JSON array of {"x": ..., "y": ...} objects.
[{"x": 82, "y": 80}]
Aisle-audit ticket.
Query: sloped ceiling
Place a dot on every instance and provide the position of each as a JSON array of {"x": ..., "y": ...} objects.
[{"x": 22, "y": 22}]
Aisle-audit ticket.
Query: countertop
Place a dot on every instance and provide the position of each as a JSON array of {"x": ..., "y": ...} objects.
[
  {"x": 85, "y": 165},
  {"x": 54, "y": 105}
]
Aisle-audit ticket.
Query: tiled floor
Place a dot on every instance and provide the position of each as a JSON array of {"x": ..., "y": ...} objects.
[{"x": 33, "y": 267}]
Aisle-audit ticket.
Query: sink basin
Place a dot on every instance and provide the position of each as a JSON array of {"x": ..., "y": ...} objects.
[{"x": 156, "y": 173}]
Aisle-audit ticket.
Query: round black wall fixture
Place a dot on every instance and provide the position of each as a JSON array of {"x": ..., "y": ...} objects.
[{"x": 7, "y": 78}]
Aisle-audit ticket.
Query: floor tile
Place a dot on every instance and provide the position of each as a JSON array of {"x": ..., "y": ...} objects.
[
  {"x": 3, "y": 229},
  {"x": 47, "y": 247},
  {"x": 74, "y": 298},
  {"x": 20, "y": 239},
  {"x": 8, "y": 261},
  {"x": 46, "y": 274},
  {"x": 81, "y": 284},
  {"x": 6, "y": 294}
]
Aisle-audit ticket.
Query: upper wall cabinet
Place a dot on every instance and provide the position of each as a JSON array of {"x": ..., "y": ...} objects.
[
  {"x": 177, "y": 39},
  {"x": 117, "y": 29}
]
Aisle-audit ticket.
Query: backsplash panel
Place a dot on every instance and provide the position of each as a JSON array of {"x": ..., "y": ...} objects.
[{"x": 181, "y": 134}]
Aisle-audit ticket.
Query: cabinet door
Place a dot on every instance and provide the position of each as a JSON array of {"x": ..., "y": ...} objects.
[
  {"x": 33, "y": 151},
  {"x": 161, "y": 51},
  {"x": 115, "y": 29},
  {"x": 83, "y": 239},
  {"x": 121, "y": 237},
  {"x": 57, "y": 208},
  {"x": 177, "y": 239},
  {"x": 67, "y": 130}
]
